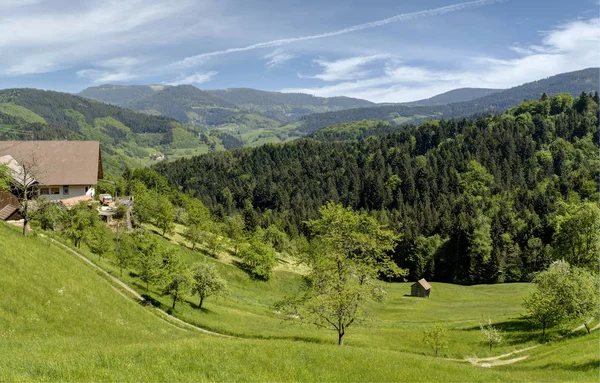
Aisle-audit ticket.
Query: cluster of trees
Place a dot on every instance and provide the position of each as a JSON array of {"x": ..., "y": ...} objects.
[
  {"x": 154, "y": 264},
  {"x": 564, "y": 293},
  {"x": 157, "y": 203},
  {"x": 492, "y": 199}
]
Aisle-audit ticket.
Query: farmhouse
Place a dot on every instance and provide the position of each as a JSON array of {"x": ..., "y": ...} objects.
[
  {"x": 60, "y": 169},
  {"x": 420, "y": 289}
]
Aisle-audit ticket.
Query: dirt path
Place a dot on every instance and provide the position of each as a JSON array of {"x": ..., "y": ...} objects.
[
  {"x": 492, "y": 361},
  {"x": 163, "y": 315}
]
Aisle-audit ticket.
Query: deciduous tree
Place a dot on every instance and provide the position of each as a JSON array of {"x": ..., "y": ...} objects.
[
  {"x": 577, "y": 234},
  {"x": 491, "y": 335},
  {"x": 351, "y": 250},
  {"x": 258, "y": 258},
  {"x": 164, "y": 215},
  {"x": 436, "y": 338},
  {"x": 206, "y": 282}
]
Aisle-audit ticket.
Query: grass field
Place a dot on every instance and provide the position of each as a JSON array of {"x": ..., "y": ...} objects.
[
  {"x": 61, "y": 321},
  {"x": 21, "y": 112}
]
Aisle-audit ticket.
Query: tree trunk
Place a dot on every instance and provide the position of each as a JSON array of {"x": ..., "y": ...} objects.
[
  {"x": 544, "y": 331},
  {"x": 201, "y": 301},
  {"x": 25, "y": 214},
  {"x": 587, "y": 327},
  {"x": 146, "y": 286},
  {"x": 174, "y": 301},
  {"x": 193, "y": 245},
  {"x": 490, "y": 346},
  {"x": 340, "y": 338}
]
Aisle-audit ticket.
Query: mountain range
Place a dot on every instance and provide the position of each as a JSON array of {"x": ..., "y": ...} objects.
[
  {"x": 181, "y": 121},
  {"x": 256, "y": 117}
]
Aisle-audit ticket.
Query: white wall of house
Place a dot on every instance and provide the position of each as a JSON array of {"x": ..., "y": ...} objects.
[{"x": 54, "y": 193}]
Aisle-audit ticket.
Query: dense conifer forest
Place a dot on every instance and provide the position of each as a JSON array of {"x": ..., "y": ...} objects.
[{"x": 475, "y": 200}]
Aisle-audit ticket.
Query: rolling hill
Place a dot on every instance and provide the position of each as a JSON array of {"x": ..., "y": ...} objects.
[
  {"x": 61, "y": 320},
  {"x": 250, "y": 117},
  {"x": 286, "y": 107},
  {"x": 586, "y": 80},
  {"x": 127, "y": 137},
  {"x": 456, "y": 95}
]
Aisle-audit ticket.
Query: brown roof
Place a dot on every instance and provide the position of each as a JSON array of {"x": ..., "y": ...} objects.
[
  {"x": 424, "y": 283},
  {"x": 7, "y": 211},
  {"x": 60, "y": 162}
]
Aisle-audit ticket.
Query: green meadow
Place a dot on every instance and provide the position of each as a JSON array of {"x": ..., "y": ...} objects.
[{"x": 61, "y": 320}]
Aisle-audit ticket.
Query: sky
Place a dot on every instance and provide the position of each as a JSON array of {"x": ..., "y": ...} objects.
[{"x": 379, "y": 50}]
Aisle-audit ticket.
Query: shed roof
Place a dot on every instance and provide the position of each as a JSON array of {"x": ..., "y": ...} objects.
[
  {"x": 423, "y": 283},
  {"x": 7, "y": 211},
  {"x": 60, "y": 162}
]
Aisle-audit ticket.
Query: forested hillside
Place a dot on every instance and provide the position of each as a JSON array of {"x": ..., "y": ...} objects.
[
  {"x": 286, "y": 107},
  {"x": 127, "y": 137},
  {"x": 453, "y": 96},
  {"x": 573, "y": 83},
  {"x": 250, "y": 117},
  {"x": 240, "y": 116},
  {"x": 478, "y": 200}
]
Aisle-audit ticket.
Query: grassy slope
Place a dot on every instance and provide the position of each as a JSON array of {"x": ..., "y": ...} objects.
[
  {"x": 59, "y": 321},
  {"x": 21, "y": 112},
  {"x": 247, "y": 313}
]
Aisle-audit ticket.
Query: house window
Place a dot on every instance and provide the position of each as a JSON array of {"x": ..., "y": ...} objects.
[
  {"x": 65, "y": 190},
  {"x": 44, "y": 191},
  {"x": 55, "y": 191}
]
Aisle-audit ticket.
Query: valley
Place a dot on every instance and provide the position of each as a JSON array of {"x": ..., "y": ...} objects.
[{"x": 92, "y": 332}]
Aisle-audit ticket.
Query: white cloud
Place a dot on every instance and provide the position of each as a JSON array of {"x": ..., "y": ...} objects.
[
  {"x": 41, "y": 37},
  {"x": 116, "y": 69},
  {"x": 277, "y": 58},
  {"x": 572, "y": 46},
  {"x": 196, "y": 78},
  {"x": 12, "y": 4},
  {"x": 99, "y": 76},
  {"x": 200, "y": 58},
  {"x": 347, "y": 69}
]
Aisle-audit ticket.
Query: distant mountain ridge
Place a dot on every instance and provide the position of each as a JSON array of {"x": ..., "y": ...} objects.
[
  {"x": 180, "y": 101},
  {"x": 286, "y": 107},
  {"x": 127, "y": 137},
  {"x": 453, "y": 96},
  {"x": 586, "y": 80}
]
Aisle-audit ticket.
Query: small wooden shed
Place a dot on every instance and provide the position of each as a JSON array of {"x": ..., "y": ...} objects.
[{"x": 421, "y": 288}]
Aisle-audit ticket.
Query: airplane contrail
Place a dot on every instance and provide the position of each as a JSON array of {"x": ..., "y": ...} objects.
[{"x": 194, "y": 60}]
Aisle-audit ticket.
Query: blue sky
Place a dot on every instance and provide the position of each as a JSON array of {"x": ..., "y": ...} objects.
[{"x": 380, "y": 50}]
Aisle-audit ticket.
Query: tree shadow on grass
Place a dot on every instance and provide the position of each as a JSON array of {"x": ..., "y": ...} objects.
[
  {"x": 245, "y": 268},
  {"x": 516, "y": 331},
  {"x": 519, "y": 331},
  {"x": 588, "y": 366},
  {"x": 148, "y": 300}
]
